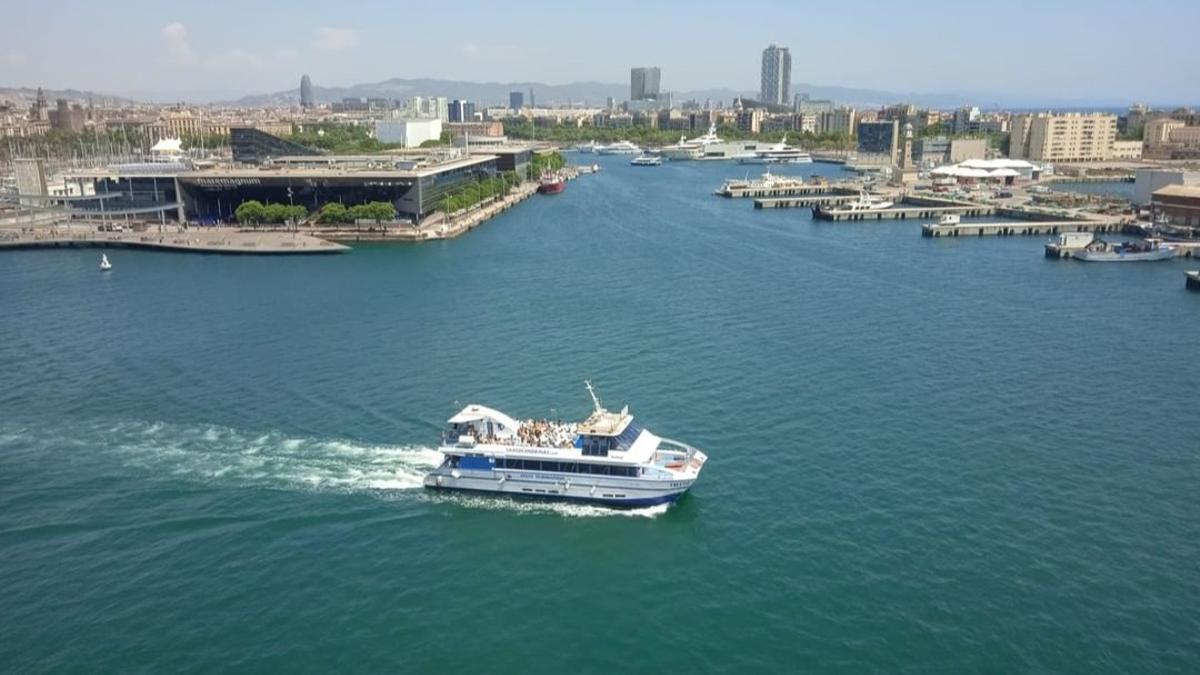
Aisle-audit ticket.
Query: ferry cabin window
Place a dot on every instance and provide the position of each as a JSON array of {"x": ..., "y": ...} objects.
[
  {"x": 566, "y": 467},
  {"x": 598, "y": 446},
  {"x": 626, "y": 438}
]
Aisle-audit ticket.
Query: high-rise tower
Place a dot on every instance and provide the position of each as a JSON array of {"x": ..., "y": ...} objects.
[
  {"x": 306, "y": 95},
  {"x": 776, "y": 75}
]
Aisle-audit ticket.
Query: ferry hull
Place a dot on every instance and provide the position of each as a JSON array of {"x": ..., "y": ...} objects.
[
  {"x": 595, "y": 491},
  {"x": 1108, "y": 256}
]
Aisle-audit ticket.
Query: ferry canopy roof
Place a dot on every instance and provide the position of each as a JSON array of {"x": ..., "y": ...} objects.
[{"x": 480, "y": 413}]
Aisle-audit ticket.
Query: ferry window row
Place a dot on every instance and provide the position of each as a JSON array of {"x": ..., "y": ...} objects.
[{"x": 565, "y": 467}]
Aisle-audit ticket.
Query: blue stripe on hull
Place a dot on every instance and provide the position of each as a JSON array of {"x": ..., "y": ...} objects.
[{"x": 646, "y": 501}]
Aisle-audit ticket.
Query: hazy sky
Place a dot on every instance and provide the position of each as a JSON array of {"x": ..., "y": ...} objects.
[{"x": 1094, "y": 50}]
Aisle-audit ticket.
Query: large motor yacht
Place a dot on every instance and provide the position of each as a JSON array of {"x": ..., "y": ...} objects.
[
  {"x": 776, "y": 153},
  {"x": 619, "y": 148},
  {"x": 607, "y": 458},
  {"x": 691, "y": 148}
]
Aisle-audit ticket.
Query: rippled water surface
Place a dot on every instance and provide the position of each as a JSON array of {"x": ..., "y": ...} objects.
[{"x": 926, "y": 455}]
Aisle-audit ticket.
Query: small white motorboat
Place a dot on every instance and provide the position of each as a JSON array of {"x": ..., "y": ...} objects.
[{"x": 104, "y": 264}]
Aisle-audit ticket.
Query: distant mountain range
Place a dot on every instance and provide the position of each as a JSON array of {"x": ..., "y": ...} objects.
[
  {"x": 27, "y": 95},
  {"x": 587, "y": 93},
  {"x": 593, "y": 93}
]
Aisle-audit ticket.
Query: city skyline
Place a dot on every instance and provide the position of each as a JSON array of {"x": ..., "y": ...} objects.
[{"x": 199, "y": 52}]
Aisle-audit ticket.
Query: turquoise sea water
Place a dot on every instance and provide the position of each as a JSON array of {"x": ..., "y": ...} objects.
[{"x": 926, "y": 455}]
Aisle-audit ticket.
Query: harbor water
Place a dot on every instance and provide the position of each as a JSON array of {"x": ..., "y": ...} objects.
[
  {"x": 1122, "y": 190},
  {"x": 925, "y": 454}
]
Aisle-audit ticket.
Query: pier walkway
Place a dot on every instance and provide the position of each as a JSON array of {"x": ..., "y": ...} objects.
[
  {"x": 737, "y": 192},
  {"x": 804, "y": 202},
  {"x": 913, "y": 209},
  {"x": 1004, "y": 229}
]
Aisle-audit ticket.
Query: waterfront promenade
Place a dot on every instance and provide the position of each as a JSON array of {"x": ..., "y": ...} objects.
[{"x": 221, "y": 240}]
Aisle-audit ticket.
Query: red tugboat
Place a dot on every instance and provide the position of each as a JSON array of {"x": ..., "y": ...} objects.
[{"x": 552, "y": 183}]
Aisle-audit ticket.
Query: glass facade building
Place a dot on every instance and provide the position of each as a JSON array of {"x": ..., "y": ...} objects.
[
  {"x": 251, "y": 146},
  {"x": 644, "y": 83},
  {"x": 878, "y": 138}
]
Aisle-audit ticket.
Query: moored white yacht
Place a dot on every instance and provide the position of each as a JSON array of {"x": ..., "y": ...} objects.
[
  {"x": 868, "y": 202},
  {"x": 619, "y": 148},
  {"x": 776, "y": 153},
  {"x": 607, "y": 458},
  {"x": 590, "y": 146},
  {"x": 691, "y": 148}
]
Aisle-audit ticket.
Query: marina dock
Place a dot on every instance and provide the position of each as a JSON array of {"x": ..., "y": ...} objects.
[
  {"x": 802, "y": 202},
  {"x": 1004, "y": 229},
  {"x": 767, "y": 192},
  {"x": 911, "y": 208}
]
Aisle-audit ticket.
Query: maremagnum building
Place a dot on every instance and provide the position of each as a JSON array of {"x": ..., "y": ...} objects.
[{"x": 272, "y": 169}]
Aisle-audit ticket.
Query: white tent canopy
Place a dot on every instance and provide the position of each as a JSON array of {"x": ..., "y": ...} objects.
[
  {"x": 986, "y": 168},
  {"x": 993, "y": 164},
  {"x": 168, "y": 146}
]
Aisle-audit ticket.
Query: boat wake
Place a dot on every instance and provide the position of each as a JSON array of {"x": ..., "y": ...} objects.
[
  {"x": 221, "y": 455},
  {"x": 217, "y": 454}
]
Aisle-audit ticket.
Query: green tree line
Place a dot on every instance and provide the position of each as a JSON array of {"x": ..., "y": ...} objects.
[
  {"x": 253, "y": 212},
  {"x": 476, "y": 191},
  {"x": 336, "y": 212},
  {"x": 543, "y": 162},
  {"x": 339, "y": 138}
]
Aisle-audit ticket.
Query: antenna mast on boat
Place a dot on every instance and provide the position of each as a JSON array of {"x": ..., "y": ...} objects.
[{"x": 595, "y": 399}]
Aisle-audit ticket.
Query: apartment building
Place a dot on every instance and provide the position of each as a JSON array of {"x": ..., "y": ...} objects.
[{"x": 1066, "y": 137}]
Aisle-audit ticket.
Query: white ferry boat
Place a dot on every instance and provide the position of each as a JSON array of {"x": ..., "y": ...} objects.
[
  {"x": 768, "y": 181},
  {"x": 619, "y": 148},
  {"x": 608, "y": 458},
  {"x": 590, "y": 146},
  {"x": 646, "y": 160},
  {"x": 1129, "y": 251}
]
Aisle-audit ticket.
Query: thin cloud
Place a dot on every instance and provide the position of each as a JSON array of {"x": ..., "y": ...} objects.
[
  {"x": 180, "y": 50},
  {"x": 331, "y": 39}
]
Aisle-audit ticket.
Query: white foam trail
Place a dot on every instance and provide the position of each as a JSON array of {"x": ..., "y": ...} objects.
[{"x": 216, "y": 454}]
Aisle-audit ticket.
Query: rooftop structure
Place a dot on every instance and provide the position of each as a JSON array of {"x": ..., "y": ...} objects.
[{"x": 1177, "y": 208}]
